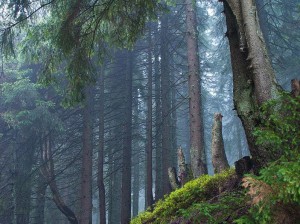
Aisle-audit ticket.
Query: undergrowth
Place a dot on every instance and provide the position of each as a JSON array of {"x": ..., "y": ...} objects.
[
  {"x": 275, "y": 192},
  {"x": 185, "y": 200}
]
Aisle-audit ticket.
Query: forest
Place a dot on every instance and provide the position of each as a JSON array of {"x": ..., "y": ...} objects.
[{"x": 149, "y": 111}]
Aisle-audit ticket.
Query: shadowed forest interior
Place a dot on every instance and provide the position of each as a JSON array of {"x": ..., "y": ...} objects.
[{"x": 147, "y": 111}]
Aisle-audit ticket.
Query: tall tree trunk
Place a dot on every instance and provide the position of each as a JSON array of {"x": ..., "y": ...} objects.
[
  {"x": 47, "y": 170},
  {"x": 253, "y": 77},
  {"x": 174, "y": 161},
  {"x": 197, "y": 150},
  {"x": 87, "y": 163},
  {"x": 136, "y": 184},
  {"x": 40, "y": 200},
  {"x": 149, "y": 183},
  {"x": 136, "y": 159},
  {"x": 166, "y": 105},
  {"x": 22, "y": 185},
  {"x": 219, "y": 159},
  {"x": 101, "y": 187},
  {"x": 158, "y": 120},
  {"x": 127, "y": 138},
  {"x": 265, "y": 85}
]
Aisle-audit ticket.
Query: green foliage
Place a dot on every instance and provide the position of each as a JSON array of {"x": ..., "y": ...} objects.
[
  {"x": 179, "y": 201},
  {"x": 225, "y": 208},
  {"x": 280, "y": 129},
  {"x": 276, "y": 192},
  {"x": 66, "y": 39},
  {"x": 26, "y": 108}
]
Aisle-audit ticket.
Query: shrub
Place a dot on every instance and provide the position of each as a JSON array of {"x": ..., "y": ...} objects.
[{"x": 276, "y": 192}]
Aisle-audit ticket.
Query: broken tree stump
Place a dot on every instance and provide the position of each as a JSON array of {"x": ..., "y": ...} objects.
[
  {"x": 243, "y": 166},
  {"x": 295, "y": 84},
  {"x": 183, "y": 170},
  {"x": 219, "y": 159},
  {"x": 173, "y": 178}
]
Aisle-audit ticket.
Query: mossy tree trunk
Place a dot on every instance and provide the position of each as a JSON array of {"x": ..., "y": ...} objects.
[
  {"x": 253, "y": 77},
  {"x": 173, "y": 178},
  {"x": 183, "y": 169},
  {"x": 219, "y": 159}
]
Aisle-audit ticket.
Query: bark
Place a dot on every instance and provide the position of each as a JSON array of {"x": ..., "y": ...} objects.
[
  {"x": 263, "y": 21},
  {"x": 115, "y": 144},
  {"x": 265, "y": 85},
  {"x": 253, "y": 77},
  {"x": 174, "y": 161},
  {"x": 115, "y": 194},
  {"x": 166, "y": 106},
  {"x": 158, "y": 121},
  {"x": 40, "y": 200},
  {"x": 136, "y": 163},
  {"x": 239, "y": 139},
  {"x": 127, "y": 137},
  {"x": 198, "y": 157},
  {"x": 149, "y": 183},
  {"x": 47, "y": 170},
  {"x": 219, "y": 159},
  {"x": 295, "y": 85},
  {"x": 87, "y": 163},
  {"x": 101, "y": 187},
  {"x": 22, "y": 185},
  {"x": 136, "y": 184},
  {"x": 173, "y": 178},
  {"x": 183, "y": 169},
  {"x": 243, "y": 166}
]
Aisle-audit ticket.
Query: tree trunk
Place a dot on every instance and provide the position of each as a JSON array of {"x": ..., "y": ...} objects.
[
  {"x": 166, "y": 105},
  {"x": 295, "y": 86},
  {"x": 149, "y": 183},
  {"x": 265, "y": 85},
  {"x": 198, "y": 157},
  {"x": 136, "y": 184},
  {"x": 47, "y": 170},
  {"x": 174, "y": 161},
  {"x": 127, "y": 136},
  {"x": 219, "y": 159},
  {"x": 183, "y": 172},
  {"x": 173, "y": 178},
  {"x": 136, "y": 160},
  {"x": 87, "y": 164},
  {"x": 22, "y": 185},
  {"x": 253, "y": 77},
  {"x": 158, "y": 121},
  {"x": 101, "y": 187},
  {"x": 40, "y": 200}
]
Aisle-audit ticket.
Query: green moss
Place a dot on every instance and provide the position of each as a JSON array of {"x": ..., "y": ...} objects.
[{"x": 193, "y": 192}]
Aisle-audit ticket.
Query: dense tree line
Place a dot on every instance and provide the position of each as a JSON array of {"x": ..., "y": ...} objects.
[{"x": 97, "y": 97}]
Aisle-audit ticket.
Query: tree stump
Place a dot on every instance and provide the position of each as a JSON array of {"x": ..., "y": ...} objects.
[
  {"x": 295, "y": 84},
  {"x": 219, "y": 159},
  {"x": 173, "y": 178},
  {"x": 183, "y": 170},
  {"x": 243, "y": 166}
]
